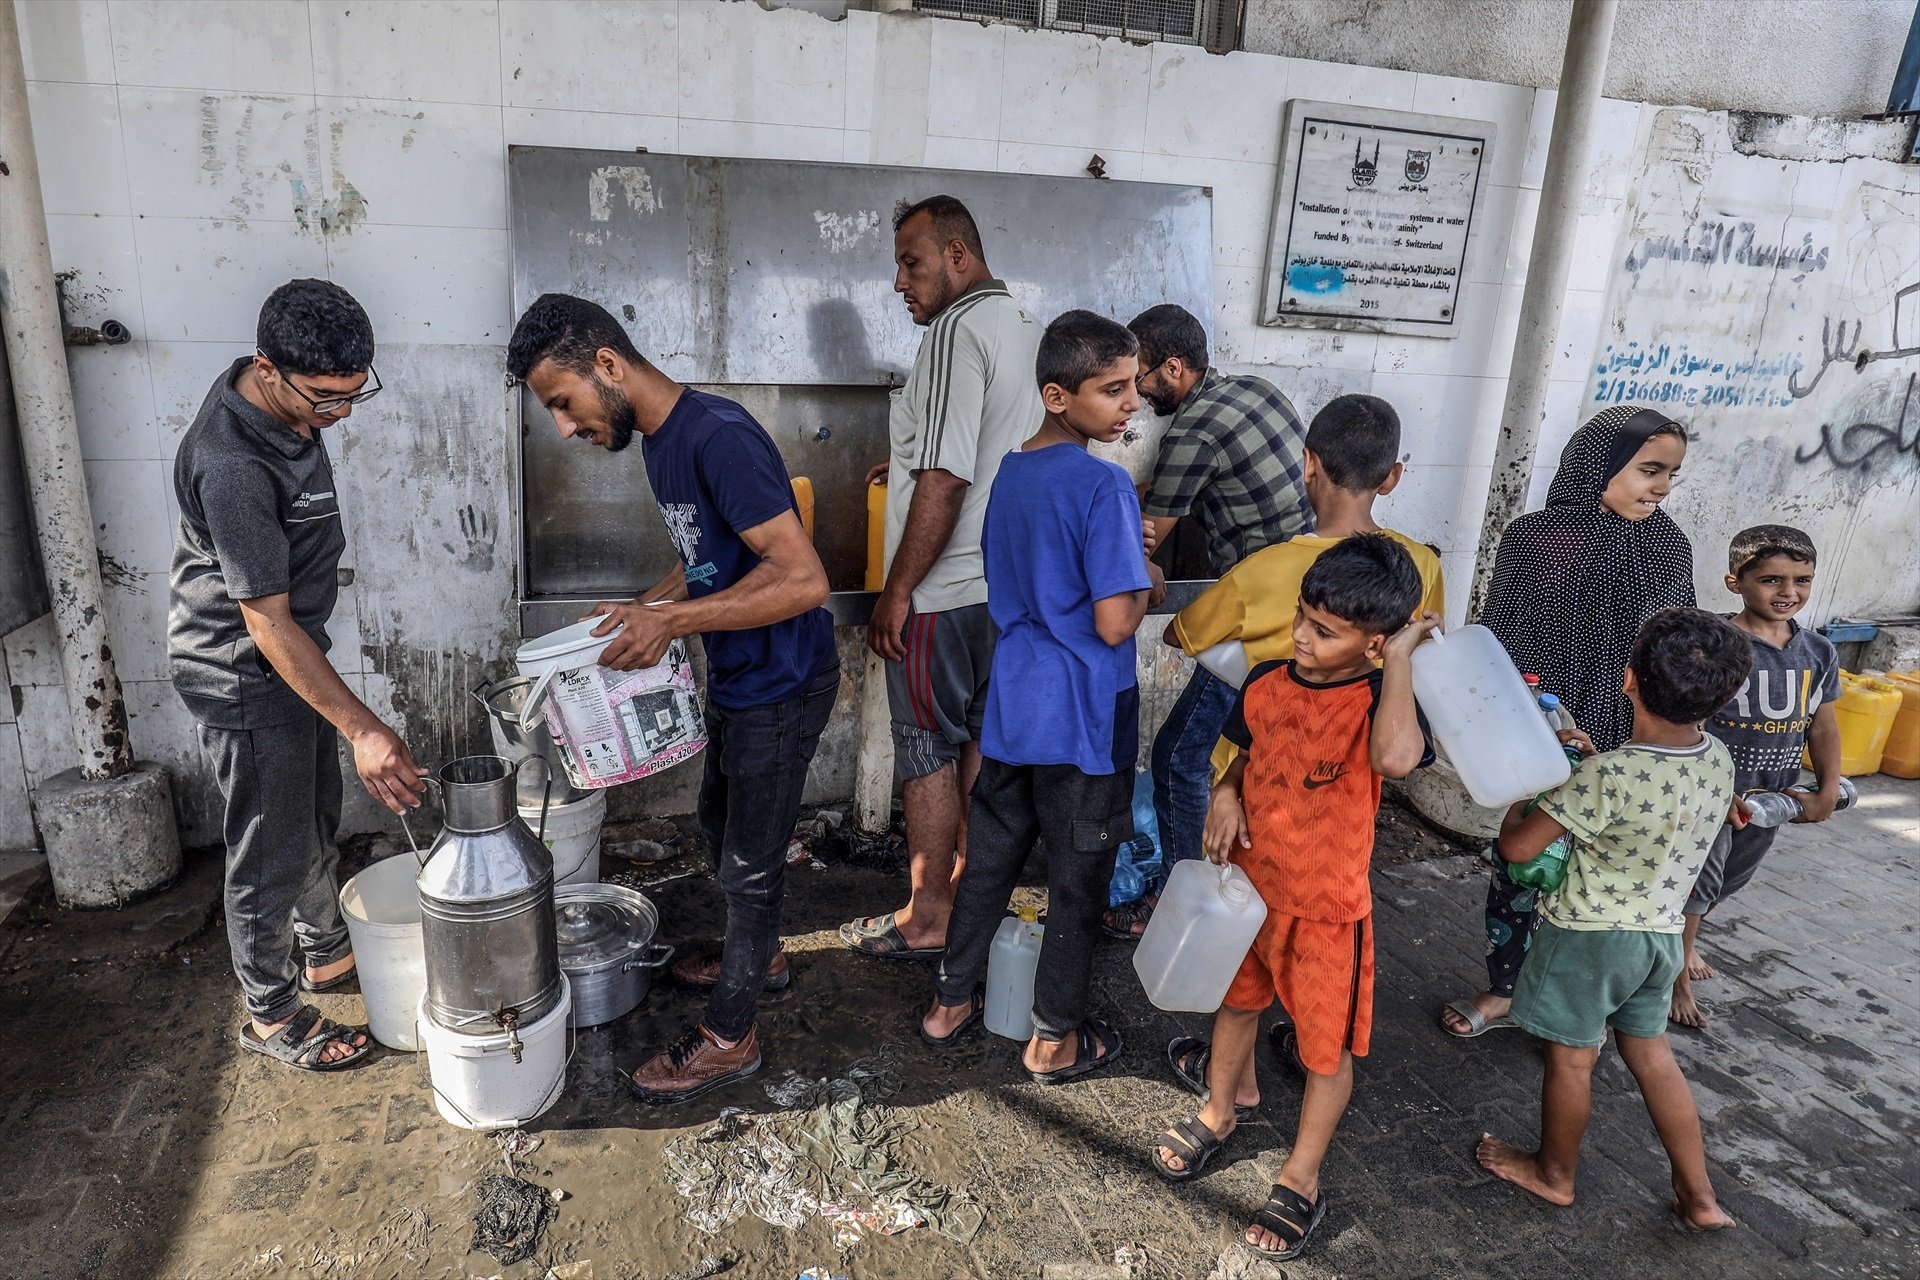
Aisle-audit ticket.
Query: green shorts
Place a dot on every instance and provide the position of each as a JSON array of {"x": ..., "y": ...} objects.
[{"x": 1579, "y": 982}]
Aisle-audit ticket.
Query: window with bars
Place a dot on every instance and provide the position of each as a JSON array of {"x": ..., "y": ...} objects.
[{"x": 1213, "y": 23}]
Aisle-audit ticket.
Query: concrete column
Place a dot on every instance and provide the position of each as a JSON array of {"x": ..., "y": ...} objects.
[
  {"x": 1583, "y": 68},
  {"x": 108, "y": 826},
  {"x": 49, "y": 438},
  {"x": 873, "y": 768}
]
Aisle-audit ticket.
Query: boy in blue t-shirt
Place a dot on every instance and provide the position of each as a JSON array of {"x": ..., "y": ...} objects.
[{"x": 1067, "y": 585}]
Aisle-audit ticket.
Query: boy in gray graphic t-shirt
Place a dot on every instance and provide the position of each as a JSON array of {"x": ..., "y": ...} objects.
[{"x": 1785, "y": 705}]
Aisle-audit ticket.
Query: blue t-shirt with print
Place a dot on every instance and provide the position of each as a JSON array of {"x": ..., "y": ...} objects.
[
  {"x": 1062, "y": 531},
  {"x": 715, "y": 471}
]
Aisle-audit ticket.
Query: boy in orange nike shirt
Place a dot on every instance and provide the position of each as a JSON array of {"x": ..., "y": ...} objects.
[{"x": 1295, "y": 811}]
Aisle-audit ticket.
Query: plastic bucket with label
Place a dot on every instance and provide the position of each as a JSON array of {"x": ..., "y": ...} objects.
[{"x": 611, "y": 726}]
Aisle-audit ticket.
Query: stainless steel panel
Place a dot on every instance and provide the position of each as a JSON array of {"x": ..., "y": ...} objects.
[
  {"x": 771, "y": 282},
  {"x": 593, "y": 529},
  {"x": 23, "y": 587}
]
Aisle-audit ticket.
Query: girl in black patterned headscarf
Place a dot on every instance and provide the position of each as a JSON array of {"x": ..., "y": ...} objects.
[{"x": 1571, "y": 586}]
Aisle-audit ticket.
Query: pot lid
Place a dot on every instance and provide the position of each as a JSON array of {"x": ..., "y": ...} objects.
[{"x": 601, "y": 924}]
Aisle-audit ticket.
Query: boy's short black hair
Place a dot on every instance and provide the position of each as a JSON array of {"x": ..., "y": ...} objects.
[
  {"x": 1078, "y": 345},
  {"x": 951, "y": 221},
  {"x": 1687, "y": 663},
  {"x": 566, "y": 330},
  {"x": 1169, "y": 330},
  {"x": 1750, "y": 546},
  {"x": 315, "y": 328},
  {"x": 1367, "y": 579},
  {"x": 1357, "y": 440}
]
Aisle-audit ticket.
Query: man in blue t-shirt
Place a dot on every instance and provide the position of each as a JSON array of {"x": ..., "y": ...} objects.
[
  {"x": 1067, "y": 584},
  {"x": 750, "y": 585}
]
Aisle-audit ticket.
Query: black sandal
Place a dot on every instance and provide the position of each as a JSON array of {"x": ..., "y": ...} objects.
[
  {"x": 334, "y": 983},
  {"x": 978, "y": 1001},
  {"x": 1286, "y": 1046},
  {"x": 1188, "y": 1057},
  {"x": 1292, "y": 1217},
  {"x": 1192, "y": 1142},
  {"x": 1098, "y": 1044},
  {"x": 301, "y": 1042},
  {"x": 1118, "y": 922}
]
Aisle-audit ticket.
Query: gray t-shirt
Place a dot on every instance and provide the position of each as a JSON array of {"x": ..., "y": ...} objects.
[
  {"x": 969, "y": 402},
  {"x": 258, "y": 517},
  {"x": 1765, "y": 726}
]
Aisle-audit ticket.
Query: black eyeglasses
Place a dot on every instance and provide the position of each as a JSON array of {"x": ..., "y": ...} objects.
[
  {"x": 331, "y": 404},
  {"x": 1141, "y": 378}
]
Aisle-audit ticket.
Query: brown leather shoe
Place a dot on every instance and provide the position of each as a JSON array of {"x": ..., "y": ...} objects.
[
  {"x": 694, "y": 1064},
  {"x": 702, "y": 972}
]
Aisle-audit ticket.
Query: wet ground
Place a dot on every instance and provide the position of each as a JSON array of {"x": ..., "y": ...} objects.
[{"x": 140, "y": 1141}]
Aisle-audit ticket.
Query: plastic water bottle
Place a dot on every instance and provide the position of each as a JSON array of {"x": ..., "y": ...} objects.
[
  {"x": 1011, "y": 964},
  {"x": 1484, "y": 715},
  {"x": 1546, "y": 871},
  {"x": 1777, "y": 808},
  {"x": 1558, "y": 720},
  {"x": 1201, "y": 928}
]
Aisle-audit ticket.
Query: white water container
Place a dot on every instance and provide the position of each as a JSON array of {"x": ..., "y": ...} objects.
[
  {"x": 1201, "y": 929},
  {"x": 1482, "y": 712},
  {"x": 609, "y": 726},
  {"x": 382, "y": 907},
  {"x": 477, "y": 1084},
  {"x": 1011, "y": 964},
  {"x": 1227, "y": 660},
  {"x": 573, "y": 836}
]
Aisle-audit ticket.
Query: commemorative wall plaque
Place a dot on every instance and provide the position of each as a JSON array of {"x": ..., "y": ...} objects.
[{"x": 1374, "y": 219}]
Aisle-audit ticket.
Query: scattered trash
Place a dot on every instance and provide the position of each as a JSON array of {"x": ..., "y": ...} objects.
[
  {"x": 517, "y": 1142},
  {"x": 512, "y": 1215},
  {"x": 557, "y": 1194},
  {"x": 1131, "y": 1256},
  {"x": 641, "y": 850},
  {"x": 818, "y": 1273},
  {"x": 270, "y": 1256},
  {"x": 833, "y": 818},
  {"x": 582, "y": 1270},
  {"x": 832, "y": 1152},
  {"x": 797, "y": 851}
]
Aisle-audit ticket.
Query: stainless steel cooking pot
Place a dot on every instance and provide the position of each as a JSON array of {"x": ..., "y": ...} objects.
[{"x": 605, "y": 932}]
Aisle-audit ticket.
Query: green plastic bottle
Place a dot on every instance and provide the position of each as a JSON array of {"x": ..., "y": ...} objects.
[{"x": 1546, "y": 871}]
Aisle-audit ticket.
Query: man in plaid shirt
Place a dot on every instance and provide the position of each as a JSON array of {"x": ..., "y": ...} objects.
[{"x": 1233, "y": 459}]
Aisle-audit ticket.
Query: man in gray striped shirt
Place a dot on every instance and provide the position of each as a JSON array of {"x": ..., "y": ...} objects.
[{"x": 969, "y": 401}]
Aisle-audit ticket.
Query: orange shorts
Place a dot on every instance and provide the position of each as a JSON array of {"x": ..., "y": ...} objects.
[{"x": 1322, "y": 974}]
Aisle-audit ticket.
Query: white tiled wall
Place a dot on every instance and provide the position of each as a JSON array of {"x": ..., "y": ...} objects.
[{"x": 191, "y": 148}]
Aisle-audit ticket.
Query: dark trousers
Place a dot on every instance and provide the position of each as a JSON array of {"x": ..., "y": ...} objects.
[
  {"x": 1183, "y": 767},
  {"x": 756, "y": 769},
  {"x": 1084, "y": 818},
  {"x": 281, "y": 785},
  {"x": 1512, "y": 916}
]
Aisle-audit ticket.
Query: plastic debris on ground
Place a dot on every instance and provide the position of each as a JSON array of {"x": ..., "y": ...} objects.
[
  {"x": 832, "y": 1153},
  {"x": 797, "y": 851},
  {"x": 513, "y": 1214},
  {"x": 710, "y": 1265},
  {"x": 818, "y": 1273}
]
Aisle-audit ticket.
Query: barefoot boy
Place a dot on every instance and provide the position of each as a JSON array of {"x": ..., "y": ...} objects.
[
  {"x": 1295, "y": 811},
  {"x": 1067, "y": 585},
  {"x": 1787, "y": 703},
  {"x": 1608, "y": 949}
]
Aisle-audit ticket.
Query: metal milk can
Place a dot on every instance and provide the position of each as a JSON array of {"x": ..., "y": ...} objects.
[{"x": 486, "y": 906}]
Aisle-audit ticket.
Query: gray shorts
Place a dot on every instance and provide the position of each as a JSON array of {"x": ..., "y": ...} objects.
[
  {"x": 937, "y": 697},
  {"x": 1730, "y": 863}
]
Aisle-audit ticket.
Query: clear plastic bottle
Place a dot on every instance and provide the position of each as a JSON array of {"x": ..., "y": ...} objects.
[
  {"x": 1558, "y": 720},
  {"x": 1777, "y": 808},
  {"x": 1011, "y": 964},
  {"x": 1201, "y": 928}
]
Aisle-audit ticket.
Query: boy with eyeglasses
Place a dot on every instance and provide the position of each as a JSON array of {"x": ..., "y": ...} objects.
[{"x": 254, "y": 581}]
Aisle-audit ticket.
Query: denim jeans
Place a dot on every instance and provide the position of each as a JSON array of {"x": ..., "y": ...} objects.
[
  {"x": 1182, "y": 768},
  {"x": 756, "y": 769},
  {"x": 282, "y": 788},
  {"x": 1084, "y": 818}
]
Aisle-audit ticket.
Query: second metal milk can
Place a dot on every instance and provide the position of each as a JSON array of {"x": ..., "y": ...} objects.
[{"x": 486, "y": 907}]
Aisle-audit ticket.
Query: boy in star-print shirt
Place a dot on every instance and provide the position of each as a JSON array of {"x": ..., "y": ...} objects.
[{"x": 1609, "y": 942}]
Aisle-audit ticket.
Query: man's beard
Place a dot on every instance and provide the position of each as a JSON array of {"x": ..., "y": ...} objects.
[
  {"x": 1162, "y": 407},
  {"x": 621, "y": 420},
  {"x": 949, "y": 290}
]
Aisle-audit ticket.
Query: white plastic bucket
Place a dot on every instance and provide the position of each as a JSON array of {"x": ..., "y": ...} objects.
[
  {"x": 382, "y": 907},
  {"x": 573, "y": 836},
  {"x": 477, "y": 1084},
  {"x": 611, "y": 726}
]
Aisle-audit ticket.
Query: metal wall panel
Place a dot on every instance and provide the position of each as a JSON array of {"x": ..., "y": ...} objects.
[{"x": 772, "y": 282}]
